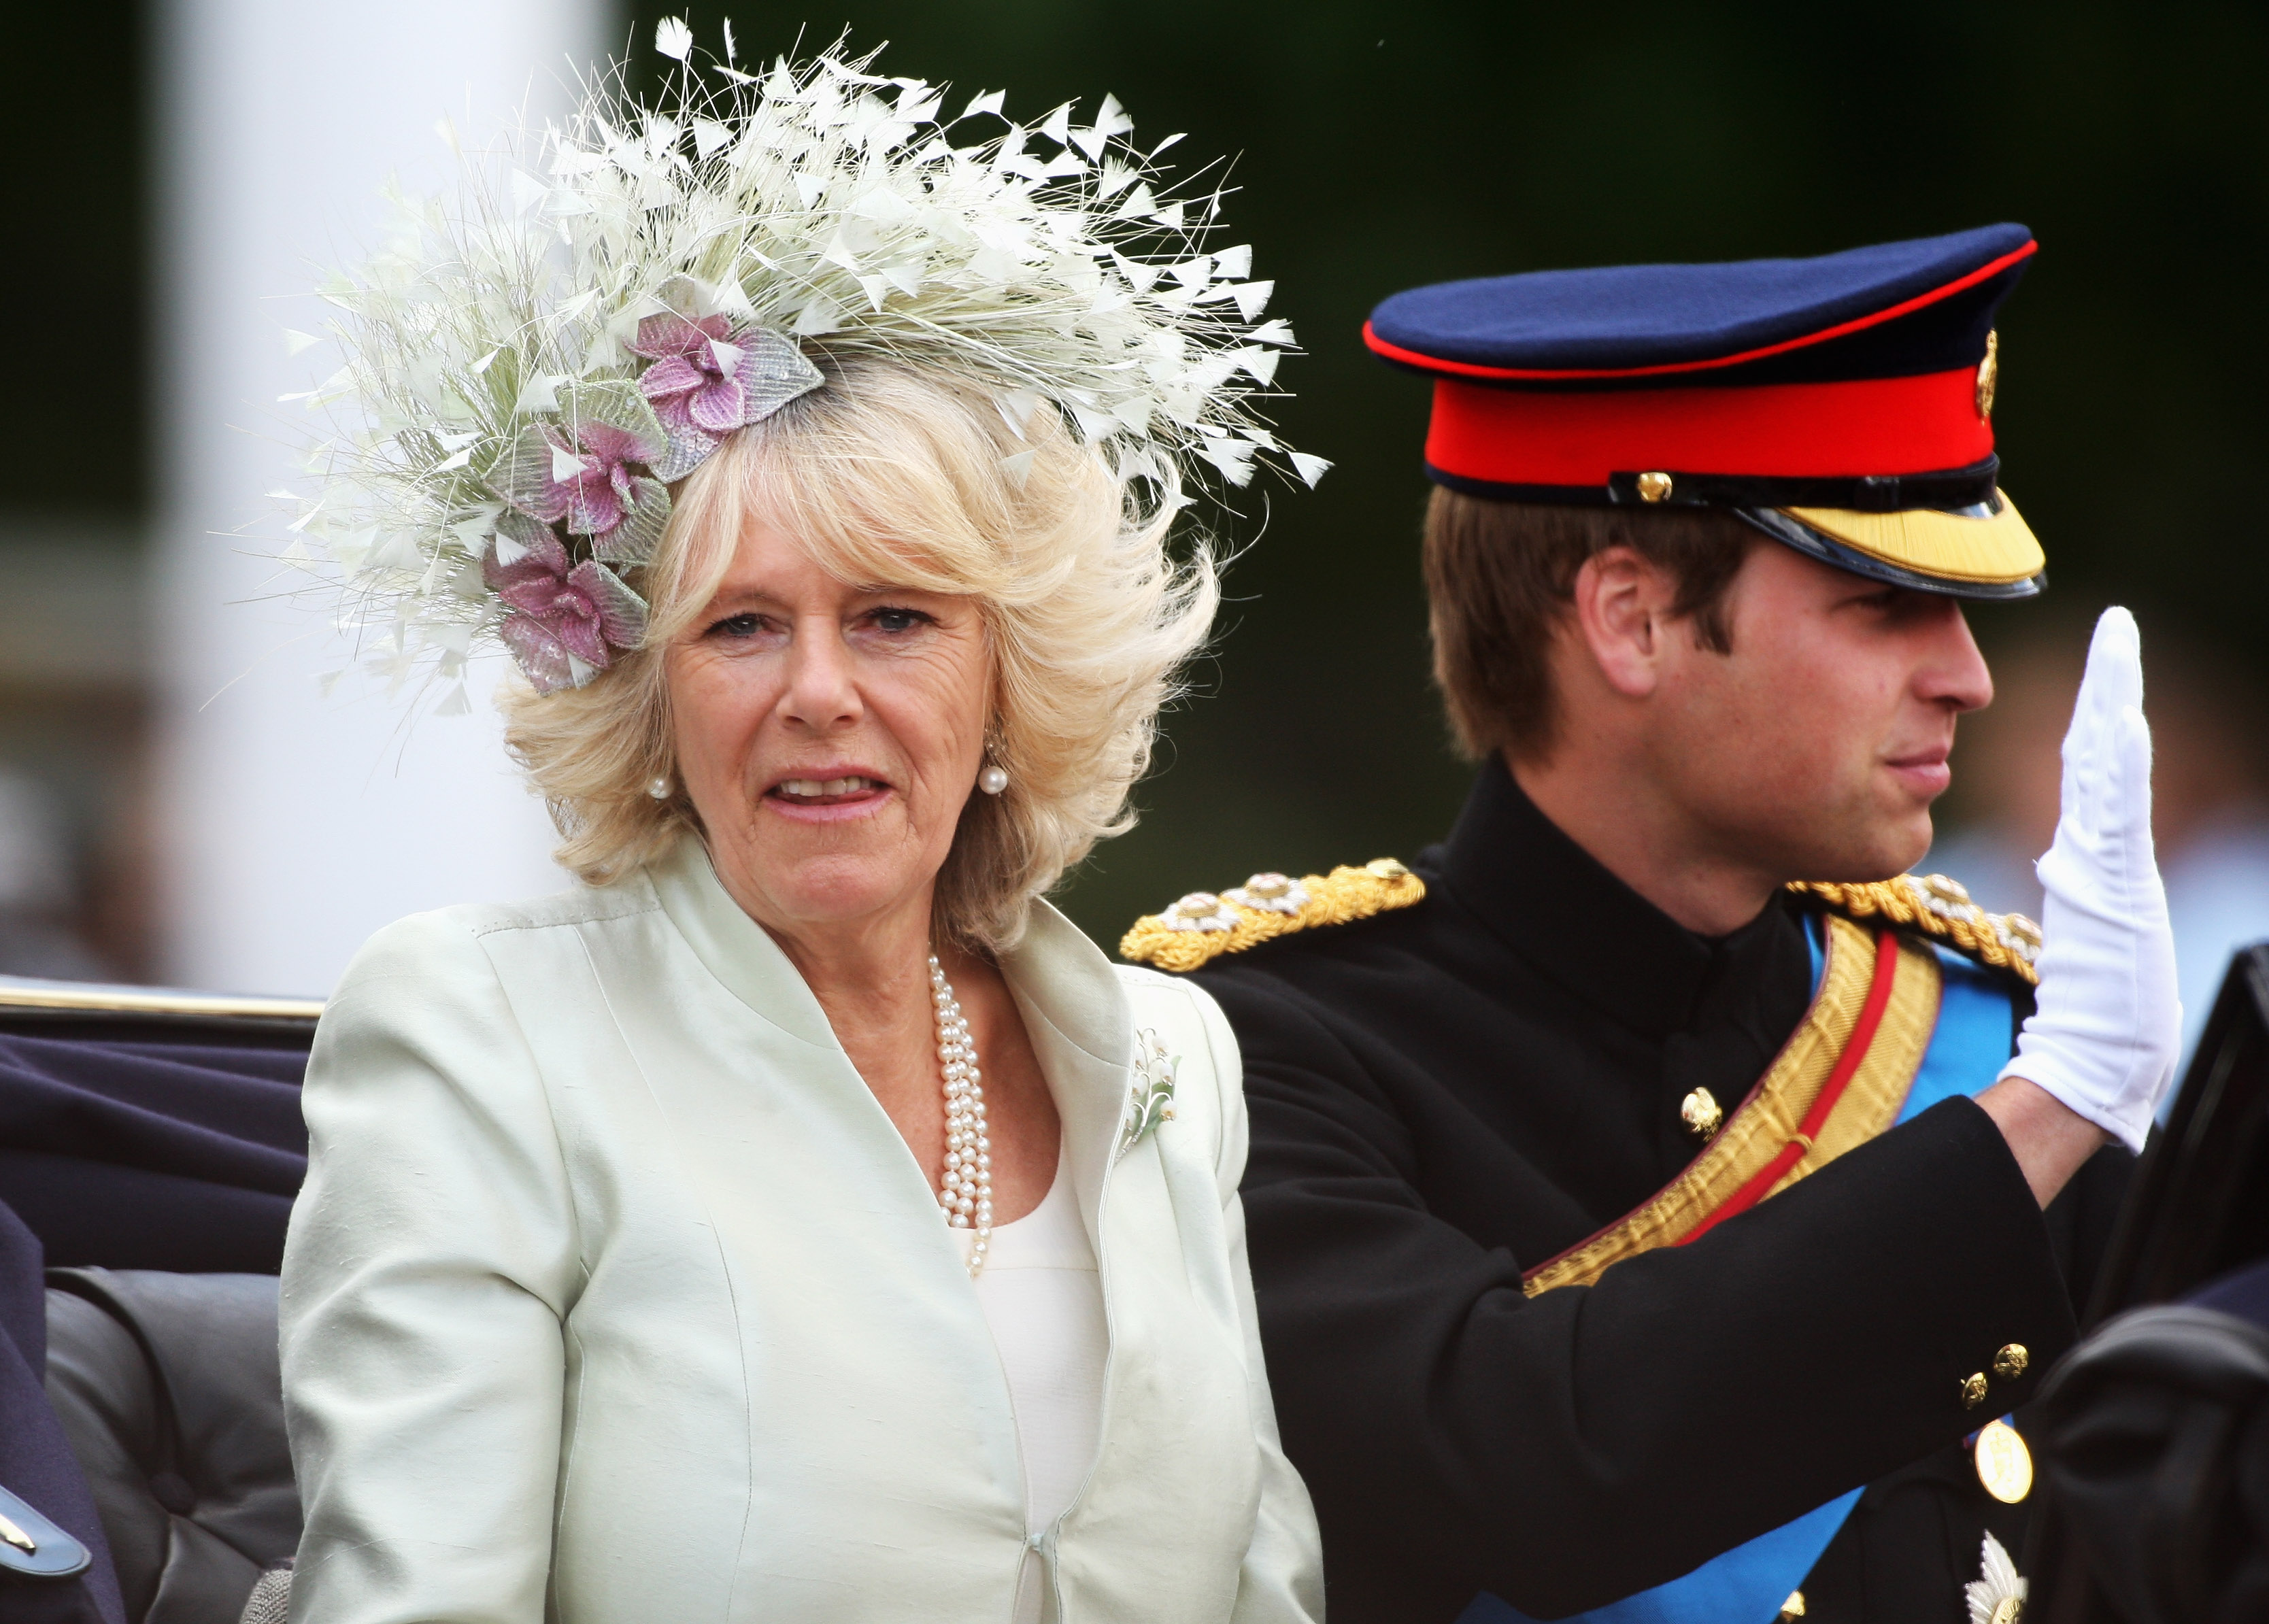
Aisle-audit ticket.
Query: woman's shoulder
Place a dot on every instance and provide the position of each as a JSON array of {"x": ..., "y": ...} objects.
[
  {"x": 1183, "y": 1017},
  {"x": 1176, "y": 1021},
  {"x": 1171, "y": 997},
  {"x": 452, "y": 996},
  {"x": 568, "y": 910},
  {"x": 442, "y": 944},
  {"x": 577, "y": 906}
]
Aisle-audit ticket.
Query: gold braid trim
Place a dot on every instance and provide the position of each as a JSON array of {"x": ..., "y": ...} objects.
[
  {"x": 1203, "y": 926},
  {"x": 1939, "y": 907},
  {"x": 1776, "y": 1108}
]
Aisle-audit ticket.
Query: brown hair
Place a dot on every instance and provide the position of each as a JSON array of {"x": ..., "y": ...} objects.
[{"x": 1499, "y": 576}]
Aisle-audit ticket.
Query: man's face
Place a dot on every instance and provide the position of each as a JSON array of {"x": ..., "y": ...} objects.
[{"x": 1815, "y": 749}]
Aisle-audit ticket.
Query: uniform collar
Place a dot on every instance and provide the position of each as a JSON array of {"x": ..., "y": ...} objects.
[{"x": 1558, "y": 906}]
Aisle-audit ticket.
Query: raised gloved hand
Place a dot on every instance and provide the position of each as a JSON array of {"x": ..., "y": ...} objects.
[{"x": 2107, "y": 1030}]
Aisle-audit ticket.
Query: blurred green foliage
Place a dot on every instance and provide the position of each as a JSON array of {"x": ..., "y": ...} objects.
[{"x": 74, "y": 269}]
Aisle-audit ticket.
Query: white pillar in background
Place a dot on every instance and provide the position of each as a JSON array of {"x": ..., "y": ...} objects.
[{"x": 290, "y": 825}]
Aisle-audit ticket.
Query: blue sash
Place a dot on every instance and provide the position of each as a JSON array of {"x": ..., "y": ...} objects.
[{"x": 1747, "y": 1584}]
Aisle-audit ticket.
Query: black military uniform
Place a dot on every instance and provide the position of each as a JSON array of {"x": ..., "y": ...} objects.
[
  {"x": 1446, "y": 1094},
  {"x": 1539, "y": 1342}
]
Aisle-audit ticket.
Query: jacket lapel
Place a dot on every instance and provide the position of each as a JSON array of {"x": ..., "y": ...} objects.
[{"x": 1076, "y": 1015}]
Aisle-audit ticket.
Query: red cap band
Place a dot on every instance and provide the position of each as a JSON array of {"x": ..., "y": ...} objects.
[{"x": 1848, "y": 430}]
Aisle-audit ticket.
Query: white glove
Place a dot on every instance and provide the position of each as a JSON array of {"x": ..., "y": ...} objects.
[{"x": 2107, "y": 1030}]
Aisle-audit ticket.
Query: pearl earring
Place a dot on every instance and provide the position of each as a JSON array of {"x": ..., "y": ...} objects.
[
  {"x": 994, "y": 780},
  {"x": 659, "y": 789}
]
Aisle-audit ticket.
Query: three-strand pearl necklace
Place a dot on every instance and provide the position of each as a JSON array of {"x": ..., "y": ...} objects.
[{"x": 965, "y": 1191}]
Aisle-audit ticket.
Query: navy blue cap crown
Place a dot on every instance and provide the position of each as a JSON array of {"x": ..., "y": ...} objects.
[{"x": 1890, "y": 310}]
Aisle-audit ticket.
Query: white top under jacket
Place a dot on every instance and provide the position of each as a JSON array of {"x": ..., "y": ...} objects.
[
  {"x": 613, "y": 1296},
  {"x": 1042, "y": 1302}
]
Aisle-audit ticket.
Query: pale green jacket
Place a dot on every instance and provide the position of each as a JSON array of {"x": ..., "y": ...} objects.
[{"x": 614, "y": 1297}]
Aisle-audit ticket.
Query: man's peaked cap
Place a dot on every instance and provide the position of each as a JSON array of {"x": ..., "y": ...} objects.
[{"x": 1842, "y": 404}]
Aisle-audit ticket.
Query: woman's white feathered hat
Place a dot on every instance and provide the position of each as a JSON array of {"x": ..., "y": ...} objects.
[{"x": 599, "y": 306}]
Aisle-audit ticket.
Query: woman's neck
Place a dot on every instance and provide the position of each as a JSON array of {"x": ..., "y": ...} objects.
[
  {"x": 872, "y": 980},
  {"x": 871, "y": 976}
]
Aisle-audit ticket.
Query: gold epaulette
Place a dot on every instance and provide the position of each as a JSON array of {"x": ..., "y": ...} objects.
[
  {"x": 1204, "y": 925},
  {"x": 1939, "y": 907}
]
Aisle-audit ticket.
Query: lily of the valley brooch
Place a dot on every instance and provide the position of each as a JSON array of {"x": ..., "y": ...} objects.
[{"x": 1150, "y": 1100}]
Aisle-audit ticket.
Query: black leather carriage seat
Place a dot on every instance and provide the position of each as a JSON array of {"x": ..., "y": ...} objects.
[
  {"x": 143, "y": 1130},
  {"x": 168, "y": 1387}
]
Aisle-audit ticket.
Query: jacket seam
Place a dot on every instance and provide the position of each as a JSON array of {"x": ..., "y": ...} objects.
[
  {"x": 716, "y": 1240},
  {"x": 502, "y": 926},
  {"x": 551, "y": 1121}
]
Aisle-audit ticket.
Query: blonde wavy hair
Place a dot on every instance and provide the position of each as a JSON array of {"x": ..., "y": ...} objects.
[{"x": 895, "y": 477}]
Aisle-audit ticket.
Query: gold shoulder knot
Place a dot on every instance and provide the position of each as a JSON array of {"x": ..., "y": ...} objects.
[
  {"x": 1205, "y": 924},
  {"x": 1939, "y": 907}
]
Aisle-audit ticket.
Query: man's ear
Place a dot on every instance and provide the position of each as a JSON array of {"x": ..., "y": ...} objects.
[{"x": 1622, "y": 615}]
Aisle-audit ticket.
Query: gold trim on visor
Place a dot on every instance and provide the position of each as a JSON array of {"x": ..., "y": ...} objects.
[{"x": 1993, "y": 549}]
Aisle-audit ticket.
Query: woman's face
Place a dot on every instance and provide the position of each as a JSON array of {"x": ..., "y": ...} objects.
[{"x": 829, "y": 736}]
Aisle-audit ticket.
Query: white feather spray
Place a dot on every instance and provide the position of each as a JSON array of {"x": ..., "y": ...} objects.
[{"x": 495, "y": 424}]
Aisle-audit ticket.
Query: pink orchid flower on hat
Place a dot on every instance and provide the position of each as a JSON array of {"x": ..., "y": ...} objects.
[
  {"x": 695, "y": 376},
  {"x": 559, "y": 611},
  {"x": 591, "y": 484},
  {"x": 708, "y": 378},
  {"x": 580, "y": 473}
]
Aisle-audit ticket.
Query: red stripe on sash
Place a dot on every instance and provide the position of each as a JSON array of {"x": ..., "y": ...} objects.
[{"x": 1863, "y": 1034}]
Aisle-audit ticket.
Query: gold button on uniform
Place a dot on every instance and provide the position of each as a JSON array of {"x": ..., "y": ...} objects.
[
  {"x": 1701, "y": 1113},
  {"x": 2005, "y": 1466},
  {"x": 1793, "y": 1607},
  {"x": 1654, "y": 487},
  {"x": 2012, "y": 1361},
  {"x": 1973, "y": 1389}
]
